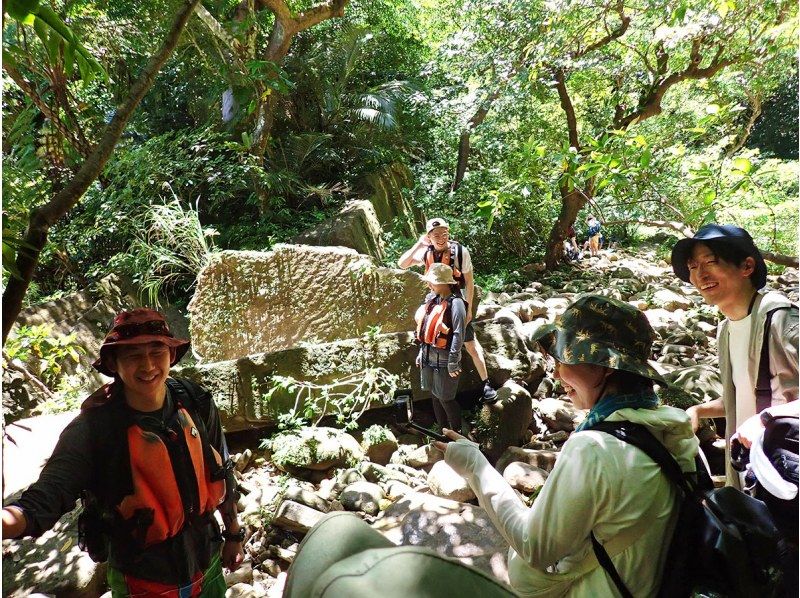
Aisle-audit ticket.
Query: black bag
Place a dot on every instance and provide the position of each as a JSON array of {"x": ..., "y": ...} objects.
[
  {"x": 92, "y": 532},
  {"x": 725, "y": 542}
]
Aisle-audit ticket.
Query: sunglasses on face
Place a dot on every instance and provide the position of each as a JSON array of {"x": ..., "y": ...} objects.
[{"x": 153, "y": 327}]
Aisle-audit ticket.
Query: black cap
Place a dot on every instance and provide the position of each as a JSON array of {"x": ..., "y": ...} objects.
[{"x": 725, "y": 233}]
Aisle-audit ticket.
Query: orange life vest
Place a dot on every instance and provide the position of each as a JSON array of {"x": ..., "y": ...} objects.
[
  {"x": 154, "y": 484},
  {"x": 156, "y": 487},
  {"x": 435, "y": 323},
  {"x": 451, "y": 257}
]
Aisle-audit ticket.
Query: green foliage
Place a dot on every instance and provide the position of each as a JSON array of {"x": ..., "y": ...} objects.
[
  {"x": 173, "y": 248},
  {"x": 346, "y": 399},
  {"x": 376, "y": 434},
  {"x": 43, "y": 353}
]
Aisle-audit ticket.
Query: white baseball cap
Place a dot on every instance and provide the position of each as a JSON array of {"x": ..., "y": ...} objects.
[{"x": 436, "y": 223}]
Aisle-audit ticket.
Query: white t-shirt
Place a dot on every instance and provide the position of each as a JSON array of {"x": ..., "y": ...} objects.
[
  {"x": 466, "y": 260},
  {"x": 739, "y": 349}
]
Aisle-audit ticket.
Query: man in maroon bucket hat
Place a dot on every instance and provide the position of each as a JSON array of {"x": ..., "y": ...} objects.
[{"x": 148, "y": 458}]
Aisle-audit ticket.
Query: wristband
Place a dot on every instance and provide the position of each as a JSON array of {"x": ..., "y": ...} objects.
[{"x": 234, "y": 536}]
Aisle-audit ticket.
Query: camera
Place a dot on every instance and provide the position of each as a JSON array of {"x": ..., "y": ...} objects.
[{"x": 404, "y": 414}]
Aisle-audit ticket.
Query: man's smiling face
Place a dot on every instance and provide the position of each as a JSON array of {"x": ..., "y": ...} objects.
[{"x": 718, "y": 281}]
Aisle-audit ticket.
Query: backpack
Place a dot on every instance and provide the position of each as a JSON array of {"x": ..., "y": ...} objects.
[
  {"x": 95, "y": 522},
  {"x": 452, "y": 257},
  {"x": 725, "y": 542}
]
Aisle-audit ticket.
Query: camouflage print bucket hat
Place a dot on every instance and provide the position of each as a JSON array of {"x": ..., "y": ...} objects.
[{"x": 602, "y": 331}]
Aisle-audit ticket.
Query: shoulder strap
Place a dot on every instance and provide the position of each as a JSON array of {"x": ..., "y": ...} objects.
[
  {"x": 763, "y": 383},
  {"x": 428, "y": 255},
  {"x": 605, "y": 563},
  {"x": 197, "y": 401},
  {"x": 640, "y": 437}
]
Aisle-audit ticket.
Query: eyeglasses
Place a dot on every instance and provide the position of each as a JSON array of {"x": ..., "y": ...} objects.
[{"x": 153, "y": 327}]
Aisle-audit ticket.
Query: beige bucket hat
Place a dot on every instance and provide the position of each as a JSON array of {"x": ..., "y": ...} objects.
[{"x": 439, "y": 273}]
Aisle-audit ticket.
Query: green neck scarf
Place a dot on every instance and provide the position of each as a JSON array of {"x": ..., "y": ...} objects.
[{"x": 611, "y": 403}]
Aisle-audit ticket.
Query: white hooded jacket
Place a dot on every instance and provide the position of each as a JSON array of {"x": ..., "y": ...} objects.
[{"x": 599, "y": 484}]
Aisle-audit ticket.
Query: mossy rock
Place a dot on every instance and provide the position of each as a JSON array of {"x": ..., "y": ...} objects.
[{"x": 315, "y": 449}]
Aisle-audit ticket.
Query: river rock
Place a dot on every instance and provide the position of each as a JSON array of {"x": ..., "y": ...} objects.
[
  {"x": 295, "y": 517},
  {"x": 503, "y": 423},
  {"x": 52, "y": 564},
  {"x": 523, "y": 477},
  {"x": 670, "y": 300},
  {"x": 314, "y": 448},
  {"x": 558, "y": 414},
  {"x": 378, "y": 444},
  {"x": 446, "y": 483},
  {"x": 362, "y": 496},
  {"x": 542, "y": 459},
  {"x": 450, "y": 528},
  {"x": 355, "y": 226},
  {"x": 422, "y": 457}
]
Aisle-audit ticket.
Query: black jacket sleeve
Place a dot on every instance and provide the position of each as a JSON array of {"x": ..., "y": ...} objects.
[{"x": 66, "y": 474}]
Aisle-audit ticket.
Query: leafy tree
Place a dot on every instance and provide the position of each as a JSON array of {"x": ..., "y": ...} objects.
[
  {"x": 608, "y": 68},
  {"x": 56, "y": 206}
]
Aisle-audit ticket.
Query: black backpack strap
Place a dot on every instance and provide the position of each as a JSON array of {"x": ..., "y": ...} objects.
[
  {"x": 640, "y": 437},
  {"x": 198, "y": 402},
  {"x": 763, "y": 383},
  {"x": 605, "y": 563}
]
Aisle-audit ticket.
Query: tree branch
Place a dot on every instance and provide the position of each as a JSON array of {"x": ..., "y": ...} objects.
[
  {"x": 216, "y": 28},
  {"x": 568, "y": 108},
  {"x": 741, "y": 139},
  {"x": 319, "y": 13},
  {"x": 43, "y": 217},
  {"x": 27, "y": 88},
  {"x": 650, "y": 104},
  {"x": 616, "y": 33}
]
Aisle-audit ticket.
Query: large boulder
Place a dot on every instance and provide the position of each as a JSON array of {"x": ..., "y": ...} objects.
[
  {"x": 27, "y": 445},
  {"x": 445, "y": 482},
  {"x": 259, "y": 302},
  {"x": 314, "y": 448},
  {"x": 355, "y": 226},
  {"x": 248, "y": 396},
  {"x": 392, "y": 207},
  {"x": 506, "y": 347},
  {"x": 503, "y": 423}
]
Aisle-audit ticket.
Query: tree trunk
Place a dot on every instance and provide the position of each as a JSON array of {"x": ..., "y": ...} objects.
[
  {"x": 280, "y": 41},
  {"x": 571, "y": 204},
  {"x": 463, "y": 158},
  {"x": 45, "y": 216}
]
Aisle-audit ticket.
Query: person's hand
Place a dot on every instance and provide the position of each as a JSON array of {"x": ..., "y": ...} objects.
[
  {"x": 232, "y": 554},
  {"x": 693, "y": 417},
  {"x": 418, "y": 361},
  {"x": 454, "y": 374},
  {"x": 469, "y": 318},
  {"x": 425, "y": 240},
  {"x": 452, "y": 435},
  {"x": 749, "y": 430}
]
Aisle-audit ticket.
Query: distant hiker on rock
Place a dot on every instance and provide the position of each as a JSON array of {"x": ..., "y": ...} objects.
[
  {"x": 593, "y": 233},
  {"x": 149, "y": 460},
  {"x": 435, "y": 246},
  {"x": 440, "y": 332},
  {"x": 602, "y": 488},
  {"x": 757, "y": 340}
]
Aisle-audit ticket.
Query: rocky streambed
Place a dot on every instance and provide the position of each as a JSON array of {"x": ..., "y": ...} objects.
[{"x": 398, "y": 482}]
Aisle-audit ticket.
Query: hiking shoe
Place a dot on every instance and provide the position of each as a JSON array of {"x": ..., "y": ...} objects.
[{"x": 489, "y": 394}]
